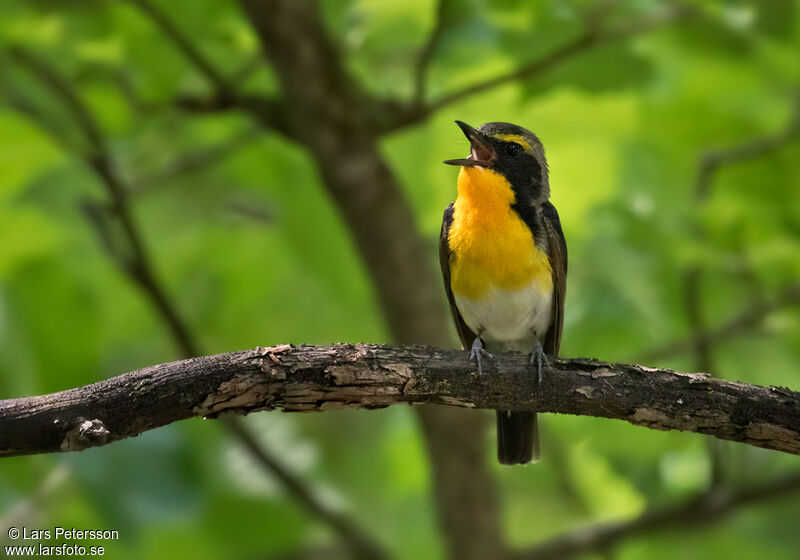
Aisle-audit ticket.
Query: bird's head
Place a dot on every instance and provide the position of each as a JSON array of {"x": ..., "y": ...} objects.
[{"x": 511, "y": 151}]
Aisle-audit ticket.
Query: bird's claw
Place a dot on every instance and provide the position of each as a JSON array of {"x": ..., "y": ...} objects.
[
  {"x": 537, "y": 357},
  {"x": 477, "y": 352}
]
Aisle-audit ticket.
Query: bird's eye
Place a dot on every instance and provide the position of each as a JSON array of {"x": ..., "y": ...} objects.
[{"x": 513, "y": 149}]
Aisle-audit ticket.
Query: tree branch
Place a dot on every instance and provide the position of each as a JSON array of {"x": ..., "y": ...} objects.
[
  {"x": 185, "y": 45},
  {"x": 715, "y": 159},
  {"x": 22, "y": 103},
  {"x": 318, "y": 378},
  {"x": 268, "y": 111},
  {"x": 427, "y": 52},
  {"x": 592, "y": 35},
  {"x": 67, "y": 95},
  {"x": 357, "y": 542},
  {"x": 99, "y": 159},
  {"x": 699, "y": 511},
  {"x": 26, "y": 510},
  {"x": 709, "y": 164},
  {"x": 745, "y": 321},
  {"x": 194, "y": 160}
]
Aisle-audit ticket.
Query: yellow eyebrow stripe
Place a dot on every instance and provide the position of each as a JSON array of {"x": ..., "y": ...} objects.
[{"x": 515, "y": 138}]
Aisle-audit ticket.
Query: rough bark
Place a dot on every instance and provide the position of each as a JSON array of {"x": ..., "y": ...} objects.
[{"x": 319, "y": 378}]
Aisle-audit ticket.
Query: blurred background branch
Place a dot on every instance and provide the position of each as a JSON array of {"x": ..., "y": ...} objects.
[
  {"x": 745, "y": 322},
  {"x": 695, "y": 513},
  {"x": 196, "y": 160},
  {"x": 713, "y": 160},
  {"x": 136, "y": 263},
  {"x": 711, "y": 163},
  {"x": 428, "y": 50},
  {"x": 133, "y": 257},
  {"x": 186, "y": 46},
  {"x": 594, "y": 33}
]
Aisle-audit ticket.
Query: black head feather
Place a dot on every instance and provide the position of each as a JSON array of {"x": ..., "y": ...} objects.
[{"x": 525, "y": 169}]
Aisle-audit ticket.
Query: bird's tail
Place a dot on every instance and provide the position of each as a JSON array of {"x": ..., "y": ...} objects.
[{"x": 517, "y": 437}]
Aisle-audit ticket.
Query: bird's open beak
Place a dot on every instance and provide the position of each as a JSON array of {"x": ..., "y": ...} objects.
[{"x": 481, "y": 153}]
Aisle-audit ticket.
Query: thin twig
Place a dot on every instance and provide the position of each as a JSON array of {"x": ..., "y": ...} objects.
[
  {"x": 247, "y": 69},
  {"x": 709, "y": 507},
  {"x": 195, "y": 160},
  {"x": 99, "y": 158},
  {"x": 427, "y": 52},
  {"x": 692, "y": 287},
  {"x": 22, "y": 104},
  {"x": 268, "y": 111},
  {"x": 122, "y": 79},
  {"x": 713, "y": 160},
  {"x": 24, "y": 510},
  {"x": 62, "y": 90},
  {"x": 361, "y": 546},
  {"x": 251, "y": 210},
  {"x": 592, "y": 36},
  {"x": 184, "y": 44},
  {"x": 741, "y": 323},
  {"x": 709, "y": 165}
]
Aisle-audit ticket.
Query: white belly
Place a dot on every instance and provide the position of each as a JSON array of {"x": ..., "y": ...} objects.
[{"x": 508, "y": 319}]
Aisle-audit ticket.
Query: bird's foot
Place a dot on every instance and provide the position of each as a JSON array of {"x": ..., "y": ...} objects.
[
  {"x": 537, "y": 358},
  {"x": 478, "y": 352}
]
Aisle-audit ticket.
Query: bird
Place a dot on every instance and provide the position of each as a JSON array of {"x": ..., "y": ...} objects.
[{"x": 504, "y": 263}]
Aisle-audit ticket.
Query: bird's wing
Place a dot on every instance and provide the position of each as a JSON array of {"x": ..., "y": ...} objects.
[
  {"x": 464, "y": 332},
  {"x": 557, "y": 248}
]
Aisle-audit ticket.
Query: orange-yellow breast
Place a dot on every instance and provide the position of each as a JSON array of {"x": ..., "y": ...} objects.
[{"x": 491, "y": 246}]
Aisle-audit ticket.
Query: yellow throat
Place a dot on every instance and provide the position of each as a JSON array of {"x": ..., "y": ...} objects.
[{"x": 491, "y": 245}]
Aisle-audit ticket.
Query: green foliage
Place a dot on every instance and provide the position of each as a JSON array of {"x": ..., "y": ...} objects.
[{"x": 252, "y": 251}]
